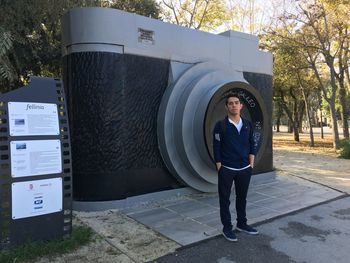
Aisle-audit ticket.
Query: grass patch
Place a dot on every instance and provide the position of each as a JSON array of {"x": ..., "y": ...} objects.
[{"x": 81, "y": 235}]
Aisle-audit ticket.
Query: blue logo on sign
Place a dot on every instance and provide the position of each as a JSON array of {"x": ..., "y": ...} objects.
[{"x": 38, "y": 202}]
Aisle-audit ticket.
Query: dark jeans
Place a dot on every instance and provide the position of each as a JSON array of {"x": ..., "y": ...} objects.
[{"x": 242, "y": 180}]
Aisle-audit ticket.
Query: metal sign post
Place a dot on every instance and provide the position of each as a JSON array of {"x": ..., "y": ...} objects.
[{"x": 35, "y": 164}]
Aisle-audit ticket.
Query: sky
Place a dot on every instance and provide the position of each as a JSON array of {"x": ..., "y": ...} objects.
[{"x": 263, "y": 13}]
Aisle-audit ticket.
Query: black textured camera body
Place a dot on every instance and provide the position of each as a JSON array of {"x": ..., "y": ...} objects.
[{"x": 113, "y": 103}]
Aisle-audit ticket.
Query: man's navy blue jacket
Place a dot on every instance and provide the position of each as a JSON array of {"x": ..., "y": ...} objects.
[{"x": 231, "y": 148}]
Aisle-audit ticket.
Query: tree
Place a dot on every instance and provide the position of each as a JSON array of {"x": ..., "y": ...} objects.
[
  {"x": 7, "y": 71},
  {"x": 285, "y": 83},
  {"x": 339, "y": 11},
  {"x": 317, "y": 25},
  {"x": 198, "y": 14},
  {"x": 313, "y": 31},
  {"x": 308, "y": 85},
  {"x": 35, "y": 31},
  {"x": 142, "y": 7},
  {"x": 247, "y": 16}
]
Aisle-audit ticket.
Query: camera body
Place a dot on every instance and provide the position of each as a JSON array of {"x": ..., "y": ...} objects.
[{"x": 144, "y": 96}]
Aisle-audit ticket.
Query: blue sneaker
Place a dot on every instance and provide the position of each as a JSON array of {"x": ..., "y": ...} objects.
[
  {"x": 229, "y": 235},
  {"x": 247, "y": 229}
]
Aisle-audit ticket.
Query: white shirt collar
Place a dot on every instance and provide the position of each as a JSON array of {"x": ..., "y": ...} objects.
[{"x": 238, "y": 125}]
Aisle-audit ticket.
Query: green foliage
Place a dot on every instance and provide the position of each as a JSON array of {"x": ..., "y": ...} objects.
[
  {"x": 81, "y": 235},
  {"x": 5, "y": 41},
  {"x": 30, "y": 35},
  {"x": 142, "y": 7},
  {"x": 7, "y": 71},
  {"x": 35, "y": 33},
  {"x": 345, "y": 148}
]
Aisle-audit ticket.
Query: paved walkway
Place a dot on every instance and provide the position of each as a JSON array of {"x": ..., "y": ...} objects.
[
  {"x": 195, "y": 217},
  {"x": 148, "y": 227},
  {"x": 319, "y": 234}
]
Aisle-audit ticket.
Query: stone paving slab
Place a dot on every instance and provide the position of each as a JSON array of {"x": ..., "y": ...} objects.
[
  {"x": 195, "y": 217},
  {"x": 318, "y": 234}
]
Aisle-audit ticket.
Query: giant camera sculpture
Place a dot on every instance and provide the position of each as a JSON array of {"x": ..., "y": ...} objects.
[{"x": 144, "y": 97}]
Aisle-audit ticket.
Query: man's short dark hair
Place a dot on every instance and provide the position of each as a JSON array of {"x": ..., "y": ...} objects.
[{"x": 233, "y": 95}]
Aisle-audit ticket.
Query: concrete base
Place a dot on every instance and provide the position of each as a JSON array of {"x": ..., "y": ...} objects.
[
  {"x": 132, "y": 201},
  {"x": 157, "y": 196}
]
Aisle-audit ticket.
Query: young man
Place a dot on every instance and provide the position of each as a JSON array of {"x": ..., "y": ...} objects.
[{"x": 234, "y": 154}]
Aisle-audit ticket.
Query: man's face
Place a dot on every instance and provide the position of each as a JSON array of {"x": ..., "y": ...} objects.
[{"x": 234, "y": 106}]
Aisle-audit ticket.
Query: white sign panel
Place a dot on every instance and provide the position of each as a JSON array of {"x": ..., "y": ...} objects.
[
  {"x": 37, "y": 157},
  {"x": 28, "y": 118},
  {"x": 34, "y": 198}
]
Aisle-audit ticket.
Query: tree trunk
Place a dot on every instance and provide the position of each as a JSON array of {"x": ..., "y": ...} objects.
[
  {"x": 296, "y": 132},
  {"x": 296, "y": 123},
  {"x": 292, "y": 116},
  {"x": 300, "y": 117},
  {"x": 342, "y": 65},
  {"x": 312, "y": 142},
  {"x": 345, "y": 108},
  {"x": 334, "y": 124},
  {"x": 321, "y": 114},
  {"x": 322, "y": 135},
  {"x": 331, "y": 101},
  {"x": 278, "y": 123},
  {"x": 306, "y": 106},
  {"x": 279, "y": 115},
  {"x": 290, "y": 126}
]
